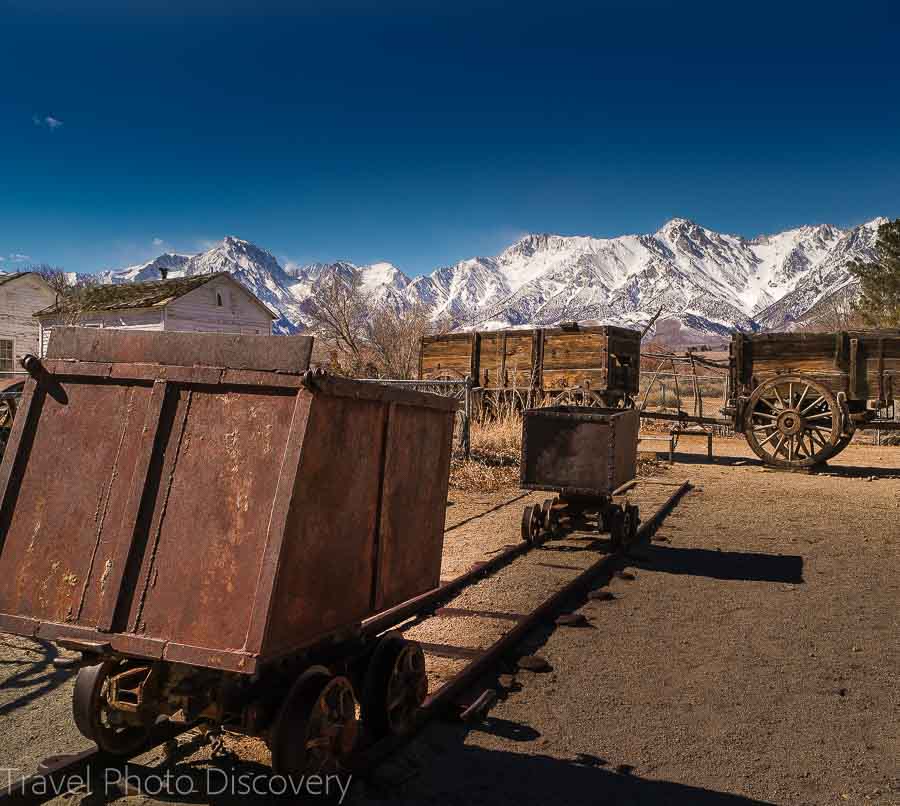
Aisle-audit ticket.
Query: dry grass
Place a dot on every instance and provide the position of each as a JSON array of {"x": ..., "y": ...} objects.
[
  {"x": 475, "y": 476},
  {"x": 498, "y": 441},
  {"x": 496, "y": 446}
]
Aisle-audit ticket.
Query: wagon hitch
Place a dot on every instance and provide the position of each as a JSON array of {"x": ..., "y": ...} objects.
[{"x": 90, "y": 653}]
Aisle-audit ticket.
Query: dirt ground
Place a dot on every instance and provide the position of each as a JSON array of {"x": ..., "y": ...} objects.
[{"x": 753, "y": 658}]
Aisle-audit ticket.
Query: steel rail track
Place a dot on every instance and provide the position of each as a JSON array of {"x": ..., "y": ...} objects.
[
  {"x": 446, "y": 697},
  {"x": 50, "y": 780}
]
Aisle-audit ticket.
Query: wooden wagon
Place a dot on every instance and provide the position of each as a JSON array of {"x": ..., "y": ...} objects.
[
  {"x": 799, "y": 397},
  {"x": 570, "y": 364}
]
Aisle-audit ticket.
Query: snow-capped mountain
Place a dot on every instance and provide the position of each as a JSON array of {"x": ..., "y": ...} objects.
[
  {"x": 256, "y": 268},
  {"x": 711, "y": 282}
]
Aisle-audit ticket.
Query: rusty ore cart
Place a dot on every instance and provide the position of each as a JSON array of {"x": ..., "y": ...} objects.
[
  {"x": 799, "y": 397},
  {"x": 208, "y": 523},
  {"x": 567, "y": 365},
  {"x": 584, "y": 454}
]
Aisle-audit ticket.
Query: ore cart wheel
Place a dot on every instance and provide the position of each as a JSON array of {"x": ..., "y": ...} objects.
[
  {"x": 631, "y": 522},
  {"x": 531, "y": 523},
  {"x": 96, "y": 720},
  {"x": 550, "y": 515},
  {"x": 316, "y": 728},
  {"x": 7, "y": 412},
  {"x": 614, "y": 522},
  {"x": 395, "y": 687},
  {"x": 793, "y": 422}
]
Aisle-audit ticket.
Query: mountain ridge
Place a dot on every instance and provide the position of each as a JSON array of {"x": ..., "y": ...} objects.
[{"x": 710, "y": 282}]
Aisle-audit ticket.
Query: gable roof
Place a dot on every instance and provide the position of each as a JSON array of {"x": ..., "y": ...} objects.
[
  {"x": 122, "y": 296},
  {"x": 17, "y": 275},
  {"x": 14, "y": 276}
]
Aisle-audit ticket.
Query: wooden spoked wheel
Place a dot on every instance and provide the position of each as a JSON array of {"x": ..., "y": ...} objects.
[
  {"x": 793, "y": 422},
  {"x": 396, "y": 685},
  {"x": 317, "y": 726},
  {"x": 843, "y": 441},
  {"x": 113, "y": 731}
]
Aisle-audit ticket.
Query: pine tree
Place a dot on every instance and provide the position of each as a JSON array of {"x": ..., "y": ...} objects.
[{"x": 879, "y": 281}]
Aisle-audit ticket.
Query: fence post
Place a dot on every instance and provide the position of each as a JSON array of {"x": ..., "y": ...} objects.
[{"x": 467, "y": 418}]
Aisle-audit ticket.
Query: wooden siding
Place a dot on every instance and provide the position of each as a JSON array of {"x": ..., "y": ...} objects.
[
  {"x": 505, "y": 359},
  {"x": 20, "y": 299},
  {"x": 196, "y": 311},
  {"x": 240, "y": 311},
  {"x": 446, "y": 356}
]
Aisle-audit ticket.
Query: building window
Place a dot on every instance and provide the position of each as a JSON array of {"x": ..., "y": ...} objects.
[
  {"x": 6, "y": 355},
  {"x": 218, "y": 299}
]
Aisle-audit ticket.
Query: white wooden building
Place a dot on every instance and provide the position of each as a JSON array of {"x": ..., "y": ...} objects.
[
  {"x": 21, "y": 295},
  {"x": 205, "y": 302}
]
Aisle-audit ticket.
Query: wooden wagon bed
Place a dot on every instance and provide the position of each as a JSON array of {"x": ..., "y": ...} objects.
[
  {"x": 864, "y": 365},
  {"x": 596, "y": 365}
]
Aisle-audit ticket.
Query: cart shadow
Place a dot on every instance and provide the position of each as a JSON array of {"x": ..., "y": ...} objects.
[
  {"x": 726, "y": 565},
  {"x": 34, "y": 677},
  {"x": 703, "y": 459},
  {"x": 466, "y": 774},
  {"x": 443, "y": 770},
  {"x": 855, "y": 472}
]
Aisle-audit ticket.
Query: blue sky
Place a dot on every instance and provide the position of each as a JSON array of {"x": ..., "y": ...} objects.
[{"x": 426, "y": 132}]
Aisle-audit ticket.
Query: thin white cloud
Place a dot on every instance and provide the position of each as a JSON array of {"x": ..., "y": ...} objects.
[
  {"x": 158, "y": 241},
  {"x": 47, "y": 121},
  {"x": 15, "y": 257}
]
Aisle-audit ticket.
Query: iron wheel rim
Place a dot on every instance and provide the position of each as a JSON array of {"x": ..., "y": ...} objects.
[
  {"x": 92, "y": 714},
  {"x": 407, "y": 689}
]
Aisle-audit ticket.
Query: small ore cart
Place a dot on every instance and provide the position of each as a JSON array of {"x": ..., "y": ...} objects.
[
  {"x": 584, "y": 454},
  {"x": 208, "y": 523},
  {"x": 799, "y": 397}
]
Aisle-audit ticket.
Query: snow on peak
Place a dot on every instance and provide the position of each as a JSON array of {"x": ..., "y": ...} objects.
[
  {"x": 712, "y": 282},
  {"x": 382, "y": 274},
  {"x": 674, "y": 225}
]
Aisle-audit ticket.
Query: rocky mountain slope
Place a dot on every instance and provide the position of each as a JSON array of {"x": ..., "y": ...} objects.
[{"x": 710, "y": 282}]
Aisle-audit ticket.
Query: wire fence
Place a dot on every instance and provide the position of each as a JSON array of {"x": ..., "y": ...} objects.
[{"x": 684, "y": 385}]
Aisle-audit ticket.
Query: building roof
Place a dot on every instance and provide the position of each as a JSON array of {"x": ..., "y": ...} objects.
[
  {"x": 5, "y": 278},
  {"x": 155, "y": 294}
]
